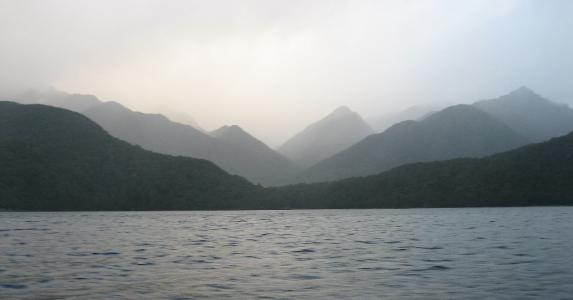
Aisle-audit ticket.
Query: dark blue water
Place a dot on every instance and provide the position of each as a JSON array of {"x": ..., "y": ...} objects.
[{"x": 513, "y": 253}]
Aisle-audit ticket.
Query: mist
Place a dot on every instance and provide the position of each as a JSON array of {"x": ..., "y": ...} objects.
[{"x": 273, "y": 67}]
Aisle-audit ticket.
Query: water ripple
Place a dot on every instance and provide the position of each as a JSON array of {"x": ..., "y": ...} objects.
[{"x": 510, "y": 253}]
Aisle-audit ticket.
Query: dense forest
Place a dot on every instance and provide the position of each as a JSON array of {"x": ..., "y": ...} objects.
[
  {"x": 54, "y": 159},
  {"x": 537, "y": 174}
]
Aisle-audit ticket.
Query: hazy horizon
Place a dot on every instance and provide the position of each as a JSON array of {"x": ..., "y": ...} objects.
[{"x": 273, "y": 67}]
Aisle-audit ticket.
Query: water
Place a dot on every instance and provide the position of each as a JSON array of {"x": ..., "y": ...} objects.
[{"x": 515, "y": 253}]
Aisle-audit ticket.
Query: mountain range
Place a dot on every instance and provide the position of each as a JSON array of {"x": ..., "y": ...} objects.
[
  {"x": 339, "y": 146},
  {"x": 157, "y": 133},
  {"x": 457, "y": 131},
  {"x": 533, "y": 175},
  {"x": 484, "y": 128},
  {"x": 56, "y": 159},
  {"x": 530, "y": 114}
]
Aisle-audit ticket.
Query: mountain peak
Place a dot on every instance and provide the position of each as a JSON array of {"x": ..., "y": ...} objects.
[
  {"x": 322, "y": 139},
  {"x": 228, "y": 130},
  {"x": 530, "y": 114},
  {"x": 342, "y": 110},
  {"x": 523, "y": 91}
]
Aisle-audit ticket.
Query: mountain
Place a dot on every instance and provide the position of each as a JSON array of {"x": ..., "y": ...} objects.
[
  {"x": 457, "y": 131},
  {"x": 537, "y": 174},
  {"x": 530, "y": 114},
  {"x": 413, "y": 113},
  {"x": 278, "y": 167},
  {"x": 334, "y": 133},
  {"x": 55, "y": 159},
  {"x": 157, "y": 133},
  {"x": 151, "y": 131}
]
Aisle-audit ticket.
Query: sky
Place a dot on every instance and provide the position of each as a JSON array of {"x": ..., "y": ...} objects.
[{"x": 274, "y": 66}]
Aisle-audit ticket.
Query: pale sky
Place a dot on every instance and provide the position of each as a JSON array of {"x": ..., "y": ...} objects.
[{"x": 273, "y": 66}]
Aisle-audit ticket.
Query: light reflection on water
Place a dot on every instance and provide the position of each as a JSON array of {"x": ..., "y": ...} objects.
[{"x": 432, "y": 253}]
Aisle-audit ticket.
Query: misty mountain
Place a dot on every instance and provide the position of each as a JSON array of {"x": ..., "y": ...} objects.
[
  {"x": 236, "y": 153},
  {"x": 277, "y": 168},
  {"x": 151, "y": 131},
  {"x": 334, "y": 133},
  {"x": 457, "y": 131},
  {"x": 537, "y": 174},
  {"x": 530, "y": 114},
  {"x": 157, "y": 133},
  {"x": 55, "y": 159},
  {"x": 414, "y": 113}
]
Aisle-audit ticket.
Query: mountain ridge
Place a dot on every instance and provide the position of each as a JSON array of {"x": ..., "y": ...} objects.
[
  {"x": 533, "y": 175},
  {"x": 456, "y": 131},
  {"x": 56, "y": 159},
  {"x": 530, "y": 114},
  {"x": 324, "y": 138},
  {"x": 158, "y": 133}
]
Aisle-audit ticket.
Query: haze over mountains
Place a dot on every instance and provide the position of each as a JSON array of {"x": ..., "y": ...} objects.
[
  {"x": 339, "y": 146},
  {"x": 339, "y": 130},
  {"x": 157, "y": 133},
  {"x": 457, "y": 131},
  {"x": 530, "y": 115},
  {"x": 56, "y": 159},
  {"x": 276, "y": 167},
  {"x": 486, "y": 128}
]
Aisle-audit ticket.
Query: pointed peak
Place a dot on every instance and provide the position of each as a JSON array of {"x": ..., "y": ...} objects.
[
  {"x": 523, "y": 90},
  {"x": 342, "y": 110},
  {"x": 228, "y": 129},
  {"x": 340, "y": 114}
]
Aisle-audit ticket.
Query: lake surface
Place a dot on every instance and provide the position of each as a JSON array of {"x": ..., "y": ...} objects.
[{"x": 514, "y": 253}]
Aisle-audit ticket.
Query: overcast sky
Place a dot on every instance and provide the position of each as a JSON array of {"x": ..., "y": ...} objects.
[{"x": 274, "y": 66}]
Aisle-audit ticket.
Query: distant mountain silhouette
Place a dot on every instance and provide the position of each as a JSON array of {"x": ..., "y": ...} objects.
[
  {"x": 414, "y": 113},
  {"x": 257, "y": 155},
  {"x": 457, "y": 131},
  {"x": 152, "y": 131},
  {"x": 334, "y": 133},
  {"x": 530, "y": 114},
  {"x": 157, "y": 133},
  {"x": 538, "y": 174},
  {"x": 55, "y": 159}
]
